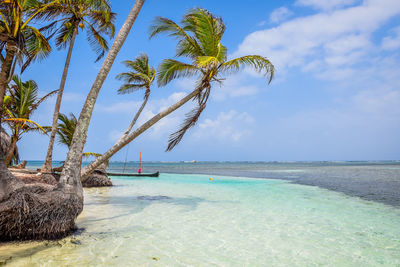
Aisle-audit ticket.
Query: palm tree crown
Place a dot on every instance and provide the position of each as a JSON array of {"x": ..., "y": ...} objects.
[
  {"x": 20, "y": 104},
  {"x": 17, "y": 32},
  {"x": 141, "y": 75},
  {"x": 93, "y": 15},
  {"x": 199, "y": 39}
]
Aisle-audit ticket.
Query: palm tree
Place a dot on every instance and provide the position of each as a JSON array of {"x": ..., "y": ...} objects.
[
  {"x": 199, "y": 40},
  {"x": 96, "y": 17},
  {"x": 18, "y": 108},
  {"x": 141, "y": 77}
]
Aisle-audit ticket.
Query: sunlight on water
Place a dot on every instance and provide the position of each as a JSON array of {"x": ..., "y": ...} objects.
[{"x": 180, "y": 220}]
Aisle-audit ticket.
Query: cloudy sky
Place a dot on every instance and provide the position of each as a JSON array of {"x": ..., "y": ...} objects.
[{"x": 335, "y": 95}]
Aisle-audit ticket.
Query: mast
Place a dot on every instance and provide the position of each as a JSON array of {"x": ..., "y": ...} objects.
[{"x": 140, "y": 169}]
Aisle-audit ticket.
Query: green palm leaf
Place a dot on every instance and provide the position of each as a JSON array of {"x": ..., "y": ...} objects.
[
  {"x": 141, "y": 76},
  {"x": 259, "y": 63},
  {"x": 171, "y": 69}
]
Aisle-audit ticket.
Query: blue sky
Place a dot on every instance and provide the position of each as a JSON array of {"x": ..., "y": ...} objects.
[{"x": 335, "y": 96}]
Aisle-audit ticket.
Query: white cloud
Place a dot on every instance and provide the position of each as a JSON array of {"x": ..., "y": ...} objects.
[
  {"x": 262, "y": 23},
  {"x": 227, "y": 127},
  {"x": 162, "y": 128},
  {"x": 120, "y": 107},
  {"x": 325, "y": 4},
  {"x": 114, "y": 135},
  {"x": 392, "y": 42},
  {"x": 280, "y": 14},
  {"x": 238, "y": 85},
  {"x": 73, "y": 97},
  {"x": 324, "y": 41}
]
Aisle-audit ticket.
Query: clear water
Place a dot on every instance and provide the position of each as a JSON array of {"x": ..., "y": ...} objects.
[
  {"x": 377, "y": 181},
  {"x": 189, "y": 220}
]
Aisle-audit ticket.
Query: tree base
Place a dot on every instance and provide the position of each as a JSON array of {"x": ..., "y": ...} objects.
[
  {"x": 38, "y": 211},
  {"x": 97, "y": 179}
]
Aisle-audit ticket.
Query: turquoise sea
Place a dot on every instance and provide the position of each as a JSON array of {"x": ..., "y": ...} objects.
[{"x": 249, "y": 214}]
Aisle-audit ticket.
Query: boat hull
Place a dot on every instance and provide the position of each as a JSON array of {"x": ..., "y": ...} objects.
[{"x": 156, "y": 174}]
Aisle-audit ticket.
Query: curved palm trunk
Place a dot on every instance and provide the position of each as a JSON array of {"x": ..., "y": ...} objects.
[
  {"x": 133, "y": 122},
  {"x": 124, "y": 140},
  {"x": 47, "y": 166},
  {"x": 10, "y": 153},
  {"x": 72, "y": 167}
]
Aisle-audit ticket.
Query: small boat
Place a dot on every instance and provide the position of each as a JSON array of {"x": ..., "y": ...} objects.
[
  {"x": 156, "y": 174},
  {"x": 139, "y": 174}
]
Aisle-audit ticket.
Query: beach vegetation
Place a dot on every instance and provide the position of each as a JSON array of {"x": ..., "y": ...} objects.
[
  {"x": 19, "y": 105},
  {"x": 46, "y": 211}
]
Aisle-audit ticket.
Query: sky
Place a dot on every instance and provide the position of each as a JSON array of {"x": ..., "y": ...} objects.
[{"x": 335, "y": 95}]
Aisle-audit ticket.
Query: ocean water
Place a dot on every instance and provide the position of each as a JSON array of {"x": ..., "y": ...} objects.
[{"x": 182, "y": 219}]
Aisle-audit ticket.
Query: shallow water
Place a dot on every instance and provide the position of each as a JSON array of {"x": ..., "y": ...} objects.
[
  {"x": 181, "y": 220},
  {"x": 378, "y": 181}
]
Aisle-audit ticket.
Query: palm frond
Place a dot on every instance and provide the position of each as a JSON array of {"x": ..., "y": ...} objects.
[
  {"x": 44, "y": 98},
  {"x": 66, "y": 128},
  {"x": 91, "y": 154},
  {"x": 207, "y": 28},
  {"x": 207, "y": 61},
  {"x": 164, "y": 25},
  {"x": 26, "y": 122},
  {"x": 97, "y": 42},
  {"x": 65, "y": 32},
  {"x": 130, "y": 88},
  {"x": 259, "y": 63},
  {"x": 171, "y": 69},
  {"x": 190, "y": 121}
]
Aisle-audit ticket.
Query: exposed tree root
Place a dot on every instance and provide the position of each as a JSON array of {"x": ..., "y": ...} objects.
[
  {"x": 38, "y": 211},
  {"x": 97, "y": 179}
]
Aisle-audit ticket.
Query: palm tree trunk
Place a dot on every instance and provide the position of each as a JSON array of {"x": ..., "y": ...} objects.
[
  {"x": 72, "y": 168},
  {"x": 47, "y": 166},
  {"x": 133, "y": 122},
  {"x": 10, "y": 153},
  {"x": 5, "y": 73},
  {"x": 128, "y": 138}
]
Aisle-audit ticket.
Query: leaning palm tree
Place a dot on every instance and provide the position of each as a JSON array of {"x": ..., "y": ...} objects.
[
  {"x": 18, "y": 109},
  {"x": 96, "y": 18},
  {"x": 199, "y": 40}
]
